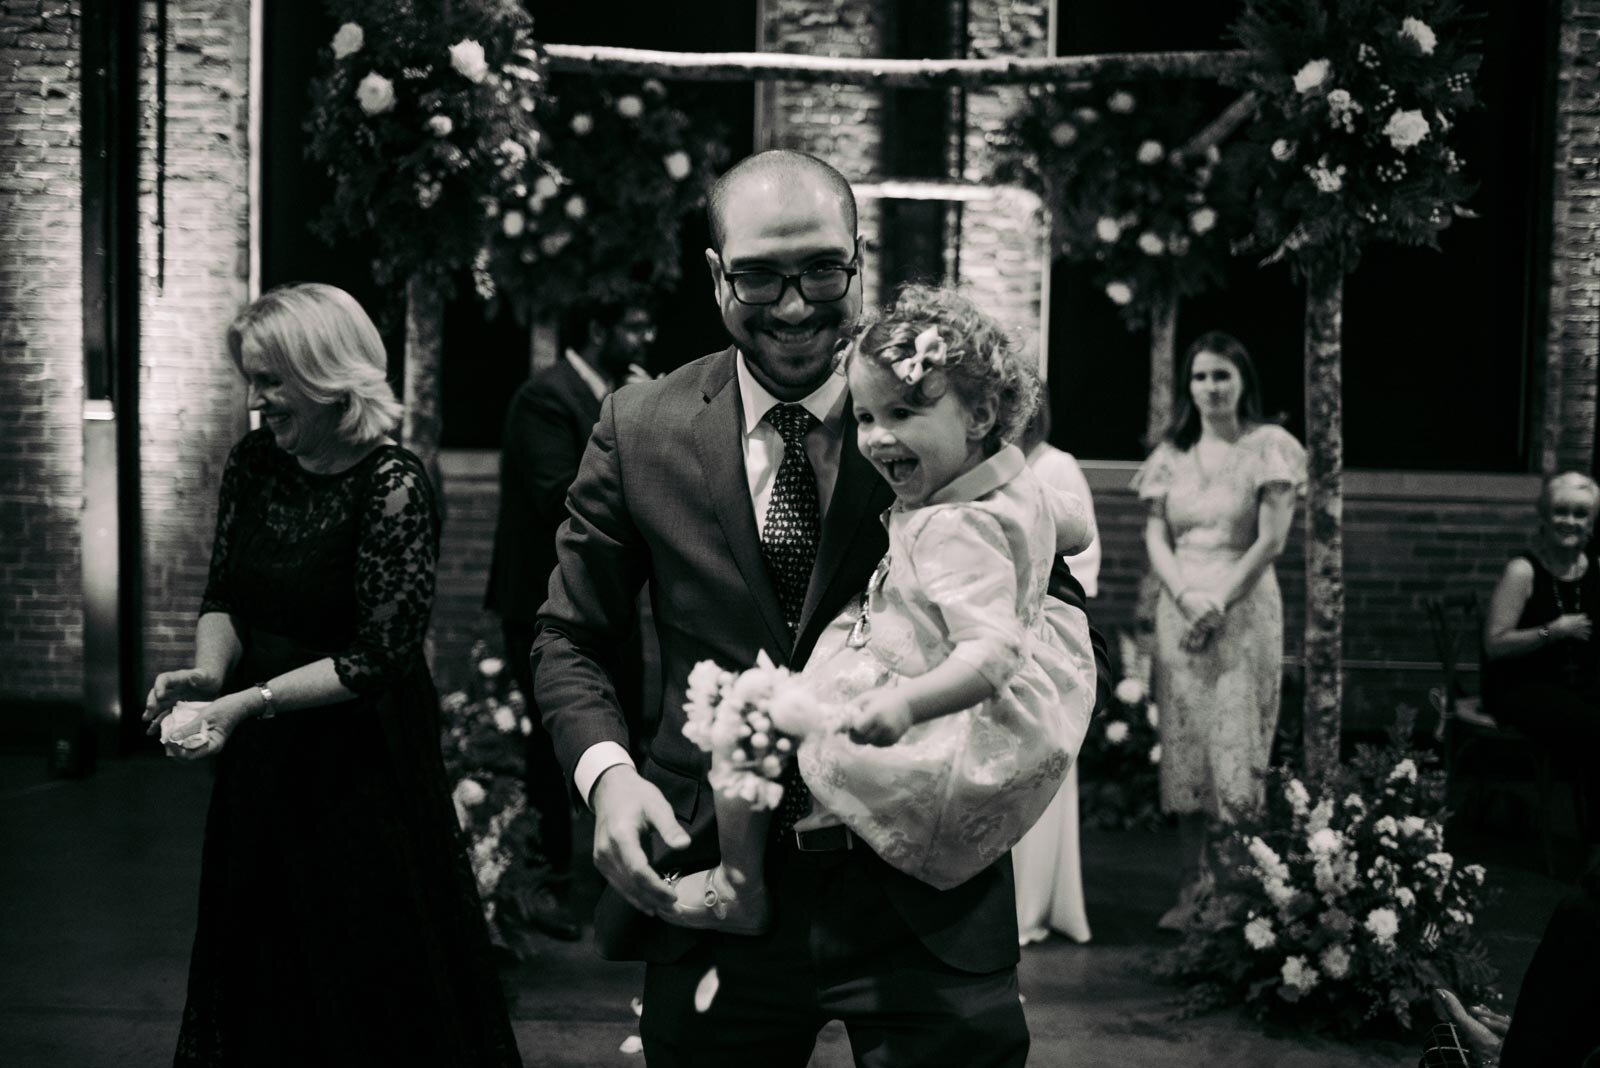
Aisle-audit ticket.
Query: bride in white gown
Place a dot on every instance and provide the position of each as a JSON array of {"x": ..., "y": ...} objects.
[{"x": 1048, "y": 874}]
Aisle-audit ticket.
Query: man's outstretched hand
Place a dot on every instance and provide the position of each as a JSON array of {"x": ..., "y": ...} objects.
[{"x": 626, "y": 808}]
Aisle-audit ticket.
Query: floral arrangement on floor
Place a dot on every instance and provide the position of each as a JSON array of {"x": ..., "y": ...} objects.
[
  {"x": 1351, "y": 143},
  {"x": 421, "y": 120},
  {"x": 1344, "y": 909},
  {"x": 1127, "y": 191},
  {"x": 484, "y": 733},
  {"x": 623, "y": 164},
  {"x": 1119, "y": 764},
  {"x": 750, "y": 723}
]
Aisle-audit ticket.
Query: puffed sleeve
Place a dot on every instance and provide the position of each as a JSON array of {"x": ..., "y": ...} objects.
[
  {"x": 962, "y": 560},
  {"x": 1153, "y": 480},
  {"x": 395, "y": 561},
  {"x": 1277, "y": 459}
]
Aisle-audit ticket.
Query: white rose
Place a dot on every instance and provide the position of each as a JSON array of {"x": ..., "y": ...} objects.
[
  {"x": 1420, "y": 34},
  {"x": 490, "y": 666},
  {"x": 1130, "y": 691},
  {"x": 1151, "y": 244},
  {"x": 677, "y": 165},
  {"x": 513, "y": 223},
  {"x": 375, "y": 94},
  {"x": 1405, "y": 130},
  {"x": 1107, "y": 229},
  {"x": 1335, "y": 960},
  {"x": 545, "y": 187},
  {"x": 1258, "y": 932},
  {"x": 1116, "y": 732},
  {"x": 1201, "y": 220},
  {"x": 1063, "y": 134},
  {"x": 582, "y": 124},
  {"x": 1150, "y": 152},
  {"x": 1383, "y": 924},
  {"x": 1155, "y": 753},
  {"x": 505, "y": 720},
  {"x": 1121, "y": 102},
  {"x": 1310, "y": 76},
  {"x": 470, "y": 793},
  {"x": 1282, "y": 150},
  {"x": 1300, "y": 975},
  {"x": 1119, "y": 292},
  {"x": 1325, "y": 841},
  {"x": 630, "y": 106},
  {"x": 576, "y": 208},
  {"x": 348, "y": 41},
  {"x": 466, "y": 57},
  {"x": 440, "y": 125}
]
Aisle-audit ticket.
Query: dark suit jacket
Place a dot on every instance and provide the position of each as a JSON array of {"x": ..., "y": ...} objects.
[
  {"x": 662, "y": 496},
  {"x": 546, "y": 430}
]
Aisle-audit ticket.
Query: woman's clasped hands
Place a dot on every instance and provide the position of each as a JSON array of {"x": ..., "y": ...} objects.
[{"x": 1205, "y": 614}]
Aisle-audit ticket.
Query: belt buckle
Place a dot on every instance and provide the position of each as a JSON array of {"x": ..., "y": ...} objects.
[{"x": 824, "y": 839}]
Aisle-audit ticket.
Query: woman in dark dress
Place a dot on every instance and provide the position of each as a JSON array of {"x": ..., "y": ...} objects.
[
  {"x": 339, "y": 920},
  {"x": 1541, "y": 671}
]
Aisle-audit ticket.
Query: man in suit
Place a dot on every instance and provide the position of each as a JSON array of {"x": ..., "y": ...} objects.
[
  {"x": 546, "y": 429},
  {"x": 697, "y": 484}
]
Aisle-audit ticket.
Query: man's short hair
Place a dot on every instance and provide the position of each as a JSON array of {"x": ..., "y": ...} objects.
[
  {"x": 787, "y": 167},
  {"x": 577, "y": 319}
]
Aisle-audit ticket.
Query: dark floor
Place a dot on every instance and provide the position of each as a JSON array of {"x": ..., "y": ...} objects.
[{"x": 99, "y": 876}]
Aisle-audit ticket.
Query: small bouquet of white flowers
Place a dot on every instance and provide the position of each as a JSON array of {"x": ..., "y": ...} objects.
[
  {"x": 1120, "y": 763},
  {"x": 750, "y": 723}
]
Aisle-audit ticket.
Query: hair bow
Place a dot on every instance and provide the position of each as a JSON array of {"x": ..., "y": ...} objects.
[{"x": 930, "y": 352}]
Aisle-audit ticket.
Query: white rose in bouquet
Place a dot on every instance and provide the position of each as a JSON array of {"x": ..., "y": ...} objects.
[
  {"x": 1311, "y": 76},
  {"x": 375, "y": 94},
  {"x": 466, "y": 56},
  {"x": 348, "y": 41},
  {"x": 1383, "y": 925},
  {"x": 1405, "y": 130},
  {"x": 1420, "y": 34}
]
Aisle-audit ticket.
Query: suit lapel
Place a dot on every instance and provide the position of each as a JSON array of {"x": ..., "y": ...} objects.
[
  {"x": 718, "y": 439},
  {"x": 859, "y": 496}
]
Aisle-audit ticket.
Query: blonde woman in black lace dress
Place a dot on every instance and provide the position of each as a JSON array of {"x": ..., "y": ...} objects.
[{"x": 339, "y": 921}]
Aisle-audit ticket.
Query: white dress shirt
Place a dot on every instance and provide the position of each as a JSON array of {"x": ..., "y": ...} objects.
[{"x": 763, "y": 452}]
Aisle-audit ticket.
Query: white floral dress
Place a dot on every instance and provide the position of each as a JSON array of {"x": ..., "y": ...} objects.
[
  {"x": 965, "y": 576},
  {"x": 1219, "y": 706}
]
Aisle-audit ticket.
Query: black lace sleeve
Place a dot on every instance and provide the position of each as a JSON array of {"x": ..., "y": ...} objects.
[
  {"x": 217, "y": 596},
  {"x": 394, "y": 568}
]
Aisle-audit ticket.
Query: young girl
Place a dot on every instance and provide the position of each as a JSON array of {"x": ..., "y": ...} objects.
[{"x": 965, "y": 691}]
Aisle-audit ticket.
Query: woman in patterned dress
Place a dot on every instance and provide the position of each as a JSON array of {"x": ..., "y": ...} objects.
[
  {"x": 339, "y": 920},
  {"x": 1221, "y": 489}
]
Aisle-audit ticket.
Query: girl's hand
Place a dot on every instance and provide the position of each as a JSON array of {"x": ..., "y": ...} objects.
[
  {"x": 185, "y": 684},
  {"x": 1200, "y": 633},
  {"x": 1197, "y": 605},
  {"x": 1572, "y": 625},
  {"x": 220, "y": 719},
  {"x": 880, "y": 717}
]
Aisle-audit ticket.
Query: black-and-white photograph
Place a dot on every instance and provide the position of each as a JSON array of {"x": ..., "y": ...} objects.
[{"x": 799, "y": 533}]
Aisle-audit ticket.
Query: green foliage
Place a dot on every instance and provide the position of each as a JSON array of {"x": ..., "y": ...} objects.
[
  {"x": 483, "y": 736},
  {"x": 415, "y": 139},
  {"x": 1358, "y": 99},
  {"x": 1342, "y": 911},
  {"x": 1122, "y": 194},
  {"x": 624, "y": 165}
]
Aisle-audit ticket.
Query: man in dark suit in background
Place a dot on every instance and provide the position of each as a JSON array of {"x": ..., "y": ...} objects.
[
  {"x": 546, "y": 430},
  {"x": 684, "y": 481}
]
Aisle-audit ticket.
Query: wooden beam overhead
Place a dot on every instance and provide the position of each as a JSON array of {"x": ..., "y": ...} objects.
[{"x": 889, "y": 73}]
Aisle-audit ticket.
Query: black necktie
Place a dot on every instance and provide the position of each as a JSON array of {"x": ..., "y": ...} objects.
[{"x": 789, "y": 543}]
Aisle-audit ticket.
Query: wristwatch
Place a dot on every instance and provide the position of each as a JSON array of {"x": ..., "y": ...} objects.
[{"x": 268, "y": 709}]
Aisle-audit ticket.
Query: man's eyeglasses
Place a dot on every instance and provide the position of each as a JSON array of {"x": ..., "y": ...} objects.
[{"x": 817, "y": 285}]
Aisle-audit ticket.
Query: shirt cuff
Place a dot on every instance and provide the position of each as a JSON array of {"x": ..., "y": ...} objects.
[{"x": 598, "y": 758}]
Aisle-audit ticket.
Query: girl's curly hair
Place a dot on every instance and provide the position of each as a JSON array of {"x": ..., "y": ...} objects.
[{"x": 981, "y": 361}]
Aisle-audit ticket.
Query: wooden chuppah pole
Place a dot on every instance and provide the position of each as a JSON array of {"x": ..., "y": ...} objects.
[{"x": 1324, "y": 640}]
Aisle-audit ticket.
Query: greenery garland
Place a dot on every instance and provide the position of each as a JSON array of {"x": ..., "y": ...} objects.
[
  {"x": 601, "y": 220},
  {"x": 419, "y": 119},
  {"x": 1123, "y": 194},
  {"x": 1352, "y": 142}
]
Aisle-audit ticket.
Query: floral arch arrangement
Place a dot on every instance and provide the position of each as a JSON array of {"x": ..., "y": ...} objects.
[
  {"x": 600, "y": 217},
  {"x": 1127, "y": 188},
  {"x": 1358, "y": 99},
  {"x": 420, "y": 117}
]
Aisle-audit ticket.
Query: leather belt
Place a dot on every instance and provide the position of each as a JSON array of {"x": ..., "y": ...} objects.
[{"x": 825, "y": 839}]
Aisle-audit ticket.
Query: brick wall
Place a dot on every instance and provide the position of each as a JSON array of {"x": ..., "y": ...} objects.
[
  {"x": 41, "y": 345},
  {"x": 191, "y": 404},
  {"x": 1574, "y": 333}
]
